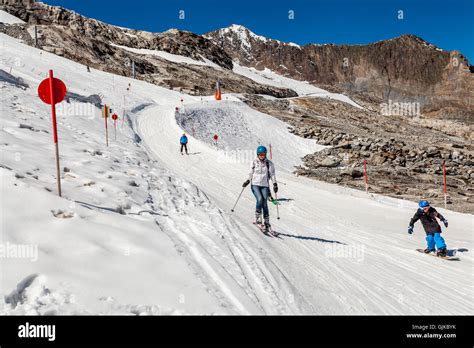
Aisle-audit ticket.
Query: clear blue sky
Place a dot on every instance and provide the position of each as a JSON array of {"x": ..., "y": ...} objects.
[{"x": 447, "y": 24}]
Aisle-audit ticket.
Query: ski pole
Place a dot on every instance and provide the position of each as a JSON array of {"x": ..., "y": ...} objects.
[
  {"x": 243, "y": 188},
  {"x": 278, "y": 212}
]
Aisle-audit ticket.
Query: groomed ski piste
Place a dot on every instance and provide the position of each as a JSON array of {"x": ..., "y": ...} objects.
[{"x": 142, "y": 229}]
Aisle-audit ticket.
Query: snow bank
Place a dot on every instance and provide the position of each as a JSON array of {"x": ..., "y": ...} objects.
[
  {"x": 171, "y": 57},
  {"x": 33, "y": 297},
  {"x": 303, "y": 88},
  {"x": 241, "y": 128},
  {"x": 7, "y": 18}
]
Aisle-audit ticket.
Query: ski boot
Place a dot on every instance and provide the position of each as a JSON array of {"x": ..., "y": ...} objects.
[
  {"x": 428, "y": 251},
  {"x": 266, "y": 224},
  {"x": 258, "y": 219},
  {"x": 442, "y": 252}
]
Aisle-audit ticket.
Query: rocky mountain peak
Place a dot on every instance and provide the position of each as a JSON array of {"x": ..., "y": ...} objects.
[
  {"x": 243, "y": 33},
  {"x": 237, "y": 37}
]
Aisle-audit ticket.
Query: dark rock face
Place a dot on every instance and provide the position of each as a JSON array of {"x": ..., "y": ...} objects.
[{"x": 406, "y": 68}]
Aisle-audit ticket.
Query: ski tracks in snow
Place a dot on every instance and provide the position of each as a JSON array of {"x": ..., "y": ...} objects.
[{"x": 218, "y": 251}]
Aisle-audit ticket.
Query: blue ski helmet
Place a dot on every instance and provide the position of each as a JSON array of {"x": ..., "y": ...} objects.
[
  {"x": 423, "y": 204},
  {"x": 261, "y": 149}
]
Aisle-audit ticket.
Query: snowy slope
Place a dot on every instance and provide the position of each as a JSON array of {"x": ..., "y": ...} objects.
[
  {"x": 303, "y": 88},
  {"x": 7, "y": 18},
  {"x": 241, "y": 129},
  {"x": 141, "y": 229},
  {"x": 107, "y": 262},
  {"x": 171, "y": 57},
  {"x": 342, "y": 251}
]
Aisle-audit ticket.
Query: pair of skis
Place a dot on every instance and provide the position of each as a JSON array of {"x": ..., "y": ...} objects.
[{"x": 266, "y": 230}]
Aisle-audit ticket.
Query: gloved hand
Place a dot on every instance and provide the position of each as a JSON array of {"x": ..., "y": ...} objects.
[
  {"x": 246, "y": 183},
  {"x": 410, "y": 229},
  {"x": 445, "y": 222},
  {"x": 275, "y": 187}
]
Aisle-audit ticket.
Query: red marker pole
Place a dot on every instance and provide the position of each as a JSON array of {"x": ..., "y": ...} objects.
[
  {"x": 366, "y": 177},
  {"x": 106, "y": 111},
  {"x": 51, "y": 91},
  {"x": 55, "y": 130},
  {"x": 445, "y": 189},
  {"x": 271, "y": 155},
  {"x": 115, "y": 117}
]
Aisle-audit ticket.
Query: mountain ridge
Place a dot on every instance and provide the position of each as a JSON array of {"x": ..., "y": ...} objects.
[{"x": 406, "y": 68}]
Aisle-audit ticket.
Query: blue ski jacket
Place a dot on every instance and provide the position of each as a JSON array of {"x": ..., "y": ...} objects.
[{"x": 184, "y": 139}]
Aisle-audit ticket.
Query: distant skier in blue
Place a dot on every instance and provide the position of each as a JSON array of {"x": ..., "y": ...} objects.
[
  {"x": 428, "y": 215},
  {"x": 184, "y": 143},
  {"x": 261, "y": 171}
]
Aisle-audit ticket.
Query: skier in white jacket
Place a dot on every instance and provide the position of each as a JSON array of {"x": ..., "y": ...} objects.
[{"x": 262, "y": 171}]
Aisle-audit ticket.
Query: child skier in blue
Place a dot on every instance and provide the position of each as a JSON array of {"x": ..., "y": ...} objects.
[
  {"x": 428, "y": 215},
  {"x": 184, "y": 143}
]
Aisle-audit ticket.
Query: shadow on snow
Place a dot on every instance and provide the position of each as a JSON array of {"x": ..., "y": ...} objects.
[{"x": 321, "y": 240}]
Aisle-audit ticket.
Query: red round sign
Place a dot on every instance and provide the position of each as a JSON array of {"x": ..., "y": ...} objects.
[
  {"x": 114, "y": 117},
  {"x": 59, "y": 91},
  {"x": 215, "y": 137}
]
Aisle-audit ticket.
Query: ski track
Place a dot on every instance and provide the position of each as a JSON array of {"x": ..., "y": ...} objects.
[{"x": 239, "y": 265}]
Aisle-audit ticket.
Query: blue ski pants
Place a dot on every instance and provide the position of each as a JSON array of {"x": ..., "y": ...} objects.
[
  {"x": 261, "y": 194},
  {"x": 435, "y": 239}
]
